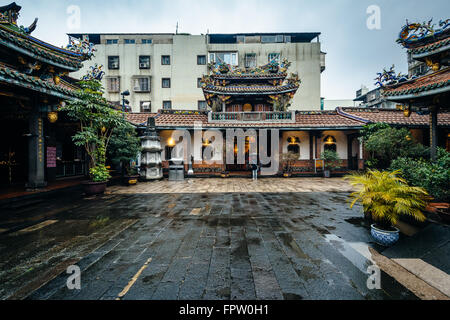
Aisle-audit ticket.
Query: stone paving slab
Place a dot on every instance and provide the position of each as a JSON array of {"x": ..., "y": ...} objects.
[
  {"x": 250, "y": 245},
  {"x": 237, "y": 185}
]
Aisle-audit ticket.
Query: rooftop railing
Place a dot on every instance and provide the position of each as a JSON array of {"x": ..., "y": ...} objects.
[{"x": 272, "y": 117}]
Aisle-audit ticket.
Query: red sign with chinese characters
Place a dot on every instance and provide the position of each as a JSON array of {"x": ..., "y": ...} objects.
[{"x": 51, "y": 157}]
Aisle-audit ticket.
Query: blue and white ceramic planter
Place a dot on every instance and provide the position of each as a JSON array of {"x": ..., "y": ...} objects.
[{"x": 385, "y": 238}]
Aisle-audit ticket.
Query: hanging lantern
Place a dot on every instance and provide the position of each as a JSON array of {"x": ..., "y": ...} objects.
[
  {"x": 407, "y": 112},
  {"x": 171, "y": 142},
  {"x": 56, "y": 79},
  {"x": 52, "y": 117}
]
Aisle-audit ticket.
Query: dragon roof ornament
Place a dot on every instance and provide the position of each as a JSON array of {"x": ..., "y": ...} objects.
[
  {"x": 390, "y": 78},
  {"x": 413, "y": 33},
  {"x": 95, "y": 73},
  {"x": 82, "y": 47}
]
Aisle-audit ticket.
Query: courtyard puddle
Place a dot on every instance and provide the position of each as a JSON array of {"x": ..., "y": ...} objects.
[
  {"x": 204, "y": 211},
  {"x": 356, "y": 252}
]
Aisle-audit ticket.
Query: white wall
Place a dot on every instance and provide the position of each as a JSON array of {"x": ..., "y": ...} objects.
[{"x": 184, "y": 71}]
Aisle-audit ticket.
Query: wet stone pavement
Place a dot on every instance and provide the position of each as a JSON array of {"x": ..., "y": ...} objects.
[{"x": 296, "y": 245}]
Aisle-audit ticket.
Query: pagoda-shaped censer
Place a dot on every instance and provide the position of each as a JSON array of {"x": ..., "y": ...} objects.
[{"x": 151, "y": 163}]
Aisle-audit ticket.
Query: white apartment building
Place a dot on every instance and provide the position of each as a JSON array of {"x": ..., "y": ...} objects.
[{"x": 163, "y": 71}]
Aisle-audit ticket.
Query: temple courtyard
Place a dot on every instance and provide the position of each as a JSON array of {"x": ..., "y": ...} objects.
[{"x": 197, "y": 239}]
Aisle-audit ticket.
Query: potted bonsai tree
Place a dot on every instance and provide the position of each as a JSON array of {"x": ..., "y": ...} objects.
[
  {"x": 385, "y": 197},
  {"x": 288, "y": 159},
  {"x": 98, "y": 120},
  {"x": 331, "y": 161},
  {"x": 124, "y": 148}
]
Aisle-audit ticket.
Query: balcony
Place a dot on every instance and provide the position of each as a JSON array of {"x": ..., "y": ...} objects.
[{"x": 243, "y": 117}]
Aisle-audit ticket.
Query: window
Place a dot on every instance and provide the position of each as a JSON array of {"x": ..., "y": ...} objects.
[
  {"x": 201, "y": 60},
  {"x": 141, "y": 84},
  {"x": 202, "y": 105},
  {"x": 230, "y": 58},
  {"x": 167, "y": 105},
  {"x": 130, "y": 41},
  {"x": 113, "y": 63},
  {"x": 272, "y": 39},
  {"x": 166, "y": 82},
  {"x": 287, "y": 39},
  {"x": 294, "y": 145},
  {"x": 113, "y": 84},
  {"x": 144, "y": 62},
  {"x": 330, "y": 143},
  {"x": 146, "y": 106},
  {"x": 240, "y": 39},
  {"x": 165, "y": 60},
  {"x": 274, "y": 56},
  {"x": 147, "y": 41},
  {"x": 250, "y": 60},
  {"x": 199, "y": 82},
  {"x": 112, "y": 41},
  {"x": 294, "y": 148}
]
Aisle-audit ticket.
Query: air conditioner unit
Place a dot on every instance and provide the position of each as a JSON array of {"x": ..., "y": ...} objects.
[
  {"x": 144, "y": 65},
  {"x": 146, "y": 106}
]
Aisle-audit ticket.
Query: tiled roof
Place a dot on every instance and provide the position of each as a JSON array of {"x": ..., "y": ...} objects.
[
  {"x": 13, "y": 76},
  {"x": 395, "y": 117},
  {"x": 35, "y": 47},
  {"x": 343, "y": 118},
  {"x": 430, "y": 47},
  {"x": 303, "y": 119},
  {"x": 251, "y": 89},
  {"x": 437, "y": 80}
]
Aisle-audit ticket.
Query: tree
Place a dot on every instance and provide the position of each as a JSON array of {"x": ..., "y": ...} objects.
[
  {"x": 388, "y": 143},
  {"x": 124, "y": 147},
  {"x": 97, "y": 123}
]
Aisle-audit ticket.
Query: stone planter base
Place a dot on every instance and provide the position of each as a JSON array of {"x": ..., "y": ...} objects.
[{"x": 94, "y": 188}]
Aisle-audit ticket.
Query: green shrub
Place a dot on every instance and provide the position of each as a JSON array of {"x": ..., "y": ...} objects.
[
  {"x": 432, "y": 176},
  {"x": 99, "y": 173},
  {"x": 388, "y": 144},
  {"x": 331, "y": 160},
  {"x": 124, "y": 147}
]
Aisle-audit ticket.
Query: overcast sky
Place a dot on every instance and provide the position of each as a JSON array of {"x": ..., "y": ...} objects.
[{"x": 354, "y": 53}]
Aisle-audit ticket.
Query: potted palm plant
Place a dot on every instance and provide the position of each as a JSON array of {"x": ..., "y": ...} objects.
[
  {"x": 385, "y": 197},
  {"x": 97, "y": 120},
  {"x": 331, "y": 161}
]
